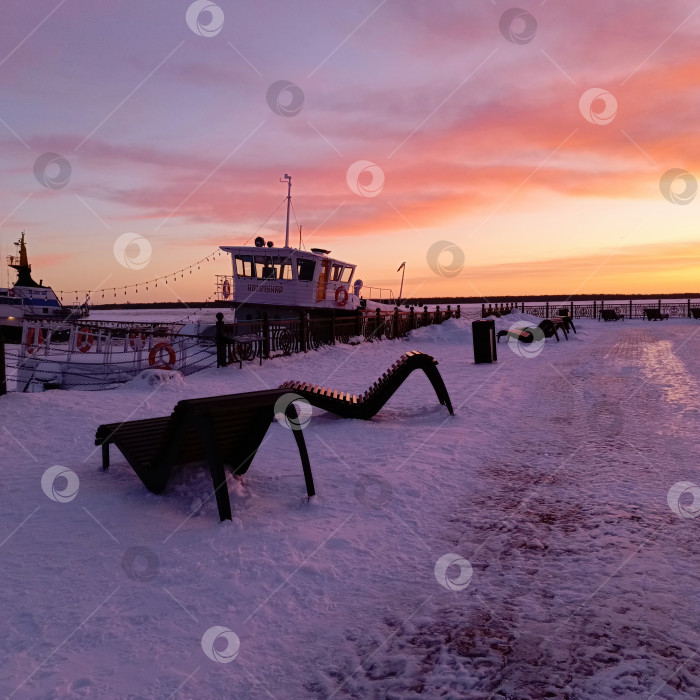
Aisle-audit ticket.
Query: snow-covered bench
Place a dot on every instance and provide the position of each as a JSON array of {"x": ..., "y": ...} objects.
[{"x": 219, "y": 429}]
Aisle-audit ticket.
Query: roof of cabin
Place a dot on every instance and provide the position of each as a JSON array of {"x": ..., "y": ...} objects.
[{"x": 281, "y": 252}]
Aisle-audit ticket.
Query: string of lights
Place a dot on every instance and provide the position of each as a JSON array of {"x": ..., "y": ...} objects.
[{"x": 173, "y": 276}]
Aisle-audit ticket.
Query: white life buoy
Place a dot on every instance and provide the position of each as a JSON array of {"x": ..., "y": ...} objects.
[
  {"x": 137, "y": 340},
  {"x": 157, "y": 355},
  {"x": 31, "y": 348},
  {"x": 85, "y": 339},
  {"x": 226, "y": 289},
  {"x": 341, "y": 296}
]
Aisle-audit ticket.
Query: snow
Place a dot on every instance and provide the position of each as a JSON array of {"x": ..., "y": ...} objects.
[{"x": 553, "y": 486}]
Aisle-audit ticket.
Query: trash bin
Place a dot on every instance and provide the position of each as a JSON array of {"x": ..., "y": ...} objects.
[{"x": 484, "y": 338}]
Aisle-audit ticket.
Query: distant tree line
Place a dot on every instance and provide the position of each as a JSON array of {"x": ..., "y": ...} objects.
[{"x": 415, "y": 301}]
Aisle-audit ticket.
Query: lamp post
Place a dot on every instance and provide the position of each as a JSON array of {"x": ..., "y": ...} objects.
[{"x": 402, "y": 269}]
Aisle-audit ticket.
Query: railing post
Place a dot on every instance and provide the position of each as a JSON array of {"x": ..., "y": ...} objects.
[
  {"x": 546, "y": 310},
  {"x": 459, "y": 311},
  {"x": 333, "y": 327},
  {"x": 630, "y": 313},
  {"x": 221, "y": 360},
  {"x": 304, "y": 330},
  {"x": 397, "y": 328},
  {"x": 436, "y": 318},
  {"x": 378, "y": 324},
  {"x": 595, "y": 313},
  {"x": 358, "y": 322},
  {"x": 572, "y": 309},
  {"x": 3, "y": 374},
  {"x": 266, "y": 335},
  {"x": 425, "y": 315},
  {"x": 659, "y": 305},
  {"x": 483, "y": 311},
  {"x": 413, "y": 318},
  {"x": 449, "y": 312},
  {"x": 689, "y": 308}
]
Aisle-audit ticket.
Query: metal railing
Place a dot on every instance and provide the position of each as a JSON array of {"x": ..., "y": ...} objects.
[
  {"x": 628, "y": 309},
  {"x": 104, "y": 356},
  {"x": 93, "y": 356},
  {"x": 263, "y": 339},
  {"x": 378, "y": 294}
]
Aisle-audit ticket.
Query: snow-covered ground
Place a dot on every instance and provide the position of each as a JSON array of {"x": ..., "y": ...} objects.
[{"x": 551, "y": 487}]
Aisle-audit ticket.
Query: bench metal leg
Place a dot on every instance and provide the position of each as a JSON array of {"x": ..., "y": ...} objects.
[
  {"x": 436, "y": 380},
  {"x": 216, "y": 468},
  {"x": 105, "y": 456},
  {"x": 301, "y": 444}
]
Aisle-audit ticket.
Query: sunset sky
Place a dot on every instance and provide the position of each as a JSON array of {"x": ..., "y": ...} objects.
[{"x": 477, "y": 122}]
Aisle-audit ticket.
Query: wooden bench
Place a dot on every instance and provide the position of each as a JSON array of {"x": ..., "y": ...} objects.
[
  {"x": 568, "y": 322},
  {"x": 654, "y": 315},
  {"x": 547, "y": 327},
  {"x": 366, "y": 405},
  {"x": 559, "y": 324},
  {"x": 611, "y": 315},
  {"x": 521, "y": 334},
  {"x": 219, "y": 429}
]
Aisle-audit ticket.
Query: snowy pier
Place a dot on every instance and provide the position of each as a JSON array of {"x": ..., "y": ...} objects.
[{"x": 542, "y": 542}]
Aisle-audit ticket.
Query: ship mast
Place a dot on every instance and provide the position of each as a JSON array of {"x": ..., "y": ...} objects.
[
  {"x": 21, "y": 264},
  {"x": 288, "y": 178}
]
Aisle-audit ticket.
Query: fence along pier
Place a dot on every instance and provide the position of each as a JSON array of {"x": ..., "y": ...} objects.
[
  {"x": 92, "y": 356},
  {"x": 593, "y": 309}
]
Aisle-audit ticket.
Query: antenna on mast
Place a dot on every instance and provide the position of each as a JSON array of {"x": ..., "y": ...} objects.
[{"x": 288, "y": 178}]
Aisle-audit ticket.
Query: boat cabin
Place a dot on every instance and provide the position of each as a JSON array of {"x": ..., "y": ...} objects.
[{"x": 268, "y": 275}]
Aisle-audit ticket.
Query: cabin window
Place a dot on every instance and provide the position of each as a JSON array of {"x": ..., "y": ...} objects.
[
  {"x": 347, "y": 274},
  {"x": 244, "y": 266},
  {"x": 265, "y": 269},
  {"x": 336, "y": 272},
  {"x": 284, "y": 268},
  {"x": 281, "y": 268},
  {"x": 305, "y": 269}
]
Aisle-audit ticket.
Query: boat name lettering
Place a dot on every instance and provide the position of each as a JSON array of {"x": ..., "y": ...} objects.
[{"x": 274, "y": 288}]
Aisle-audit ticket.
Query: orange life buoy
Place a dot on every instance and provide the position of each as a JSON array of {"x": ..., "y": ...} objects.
[
  {"x": 30, "y": 340},
  {"x": 226, "y": 289},
  {"x": 85, "y": 339},
  {"x": 157, "y": 353},
  {"x": 136, "y": 339},
  {"x": 341, "y": 296}
]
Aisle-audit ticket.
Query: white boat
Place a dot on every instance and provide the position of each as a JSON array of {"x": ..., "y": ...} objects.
[
  {"x": 28, "y": 300},
  {"x": 64, "y": 355},
  {"x": 284, "y": 282}
]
